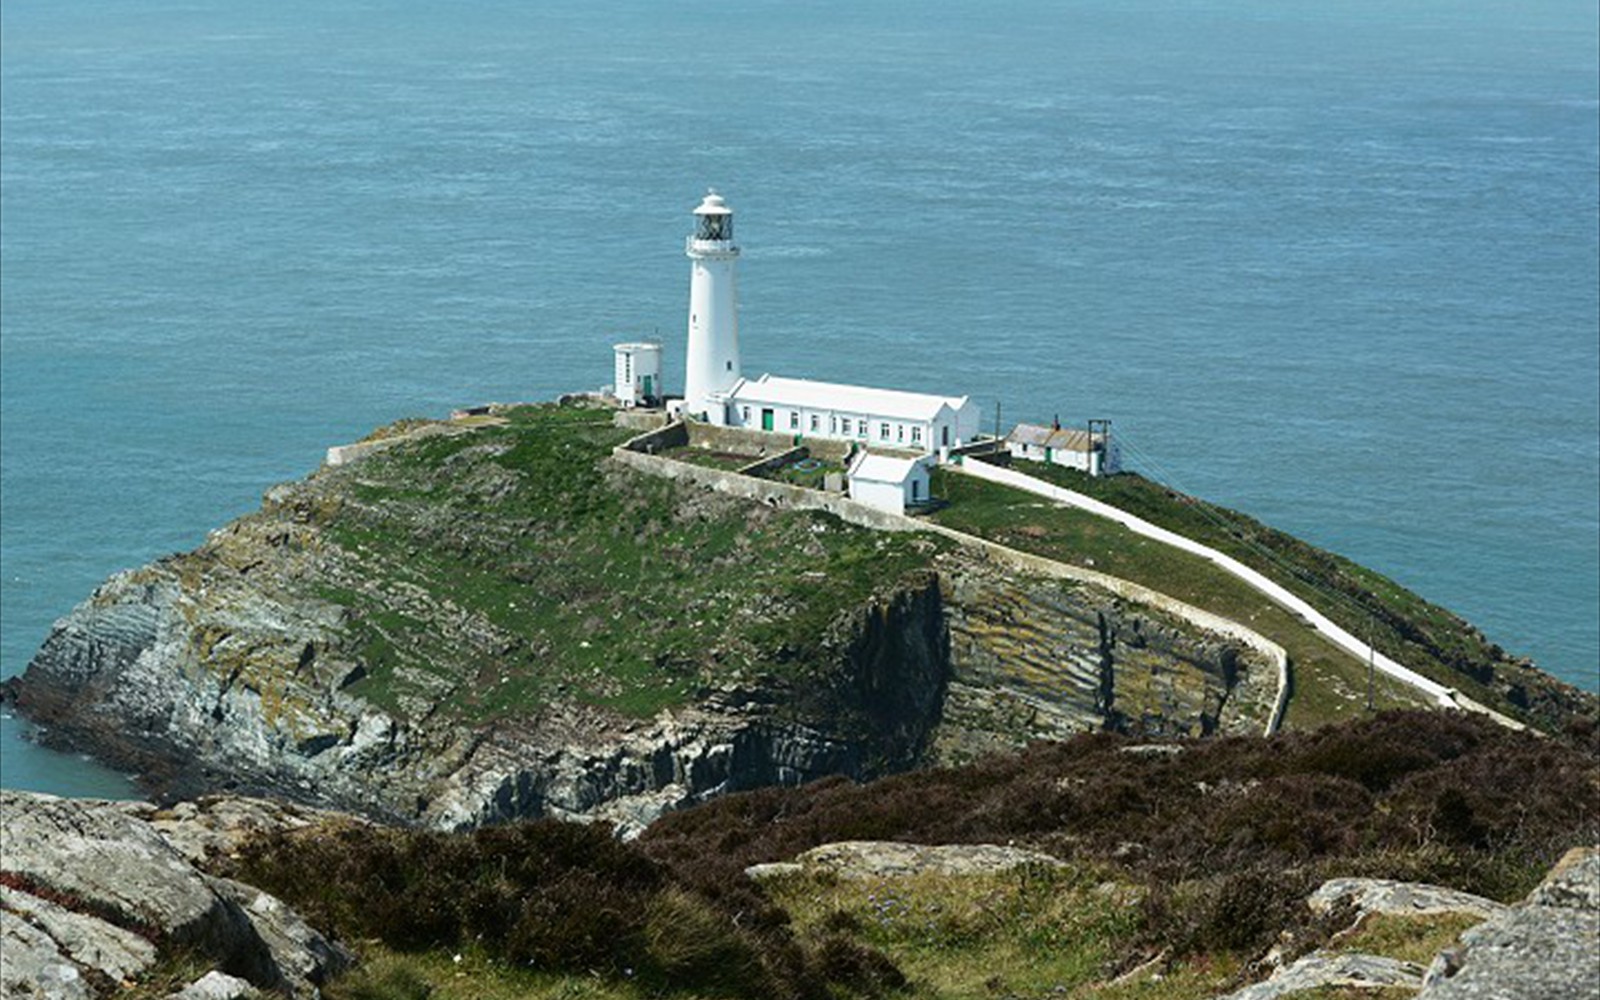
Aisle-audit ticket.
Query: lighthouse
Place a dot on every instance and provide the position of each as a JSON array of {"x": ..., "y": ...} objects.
[{"x": 713, "y": 363}]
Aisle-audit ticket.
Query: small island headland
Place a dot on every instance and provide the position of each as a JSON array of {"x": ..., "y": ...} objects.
[{"x": 1124, "y": 742}]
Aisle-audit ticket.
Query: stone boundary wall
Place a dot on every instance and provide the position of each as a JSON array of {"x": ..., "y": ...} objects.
[
  {"x": 344, "y": 454},
  {"x": 797, "y": 497},
  {"x": 673, "y": 435},
  {"x": 739, "y": 440},
  {"x": 765, "y": 490},
  {"x": 639, "y": 420},
  {"x": 776, "y": 462}
]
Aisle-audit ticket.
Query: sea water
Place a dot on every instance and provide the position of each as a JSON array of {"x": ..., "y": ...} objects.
[{"x": 1332, "y": 264}]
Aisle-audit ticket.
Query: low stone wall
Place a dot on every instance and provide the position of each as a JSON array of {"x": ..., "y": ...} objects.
[
  {"x": 344, "y": 454},
  {"x": 739, "y": 440},
  {"x": 776, "y": 462},
  {"x": 764, "y": 490},
  {"x": 639, "y": 420},
  {"x": 673, "y": 435}
]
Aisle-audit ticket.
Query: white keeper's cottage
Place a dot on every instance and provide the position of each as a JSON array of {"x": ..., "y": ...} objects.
[
  {"x": 1075, "y": 448},
  {"x": 716, "y": 391}
]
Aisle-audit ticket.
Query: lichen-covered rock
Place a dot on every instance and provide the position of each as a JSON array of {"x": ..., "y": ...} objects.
[
  {"x": 891, "y": 859},
  {"x": 90, "y": 888},
  {"x": 82, "y": 940},
  {"x": 1376, "y": 895},
  {"x": 34, "y": 963},
  {"x": 1321, "y": 970},
  {"x": 216, "y": 985},
  {"x": 1546, "y": 948}
]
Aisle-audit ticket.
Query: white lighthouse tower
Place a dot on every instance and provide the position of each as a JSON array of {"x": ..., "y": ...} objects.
[{"x": 713, "y": 363}]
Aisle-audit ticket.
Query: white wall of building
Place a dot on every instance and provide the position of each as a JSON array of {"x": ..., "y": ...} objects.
[
  {"x": 638, "y": 373},
  {"x": 757, "y": 409},
  {"x": 1090, "y": 462},
  {"x": 869, "y": 429},
  {"x": 889, "y": 484}
]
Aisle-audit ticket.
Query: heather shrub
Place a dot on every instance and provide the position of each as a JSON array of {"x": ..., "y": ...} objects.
[
  {"x": 863, "y": 970},
  {"x": 1448, "y": 798}
]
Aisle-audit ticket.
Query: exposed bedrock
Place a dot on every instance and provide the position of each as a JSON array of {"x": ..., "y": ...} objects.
[
  {"x": 94, "y": 893},
  {"x": 204, "y": 681}
]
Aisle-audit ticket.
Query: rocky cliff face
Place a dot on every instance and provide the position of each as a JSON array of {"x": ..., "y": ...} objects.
[{"x": 494, "y": 624}]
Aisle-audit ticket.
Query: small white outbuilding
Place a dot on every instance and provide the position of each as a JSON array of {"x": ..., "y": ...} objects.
[
  {"x": 887, "y": 482},
  {"x": 638, "y": 373}
]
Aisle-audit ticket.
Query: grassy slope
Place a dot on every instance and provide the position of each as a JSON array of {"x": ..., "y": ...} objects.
[
  {"x": 620, "y": 590},
  {"x": 599, "y": 587},
  {"x": 1329, "y": 684},
  {"x": 1409, "y": 629}
]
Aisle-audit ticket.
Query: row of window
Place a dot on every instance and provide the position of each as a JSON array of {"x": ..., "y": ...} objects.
[{"x": 844, "y": 426}]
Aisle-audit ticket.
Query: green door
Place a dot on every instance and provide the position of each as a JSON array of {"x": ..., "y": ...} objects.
[
  {"x": 649, "y": 390},
  {"x": 1047, "y": 452},
  {"x": 766, "y": 420}
]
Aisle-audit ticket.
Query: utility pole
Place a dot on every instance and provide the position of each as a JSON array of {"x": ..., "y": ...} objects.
[
  {"x": 1371, "y": 665},
  {"x": 1104, "y": 429},
  {"x": 997, "y": 422}
]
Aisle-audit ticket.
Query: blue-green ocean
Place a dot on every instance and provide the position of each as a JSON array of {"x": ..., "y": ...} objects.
[{"x": 1334, "y": 264}]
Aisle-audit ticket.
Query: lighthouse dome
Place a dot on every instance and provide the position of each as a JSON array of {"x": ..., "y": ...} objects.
[{"x": 713, "y": 204}]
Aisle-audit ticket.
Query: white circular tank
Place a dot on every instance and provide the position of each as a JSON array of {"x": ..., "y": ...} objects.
[{"x": 638, "y": 374}]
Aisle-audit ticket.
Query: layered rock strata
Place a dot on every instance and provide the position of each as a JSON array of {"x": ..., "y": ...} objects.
[{"x": 306, "y": 651}]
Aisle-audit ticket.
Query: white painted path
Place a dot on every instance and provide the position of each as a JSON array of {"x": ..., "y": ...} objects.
[{"x": 1446, "y": 696}]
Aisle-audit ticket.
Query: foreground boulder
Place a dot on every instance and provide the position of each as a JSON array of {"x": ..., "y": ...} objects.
[
  {"x": 1546, "y": 948},
  {"x": 94, "y": 895}
]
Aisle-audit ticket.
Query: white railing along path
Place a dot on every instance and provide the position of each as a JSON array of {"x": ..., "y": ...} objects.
[{"x": 1446, "y": 696}]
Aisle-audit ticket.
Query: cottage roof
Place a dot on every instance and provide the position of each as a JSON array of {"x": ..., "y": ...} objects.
[
  {"x": 853, "y": 399},
  {"x": 871, "y": 467},
  {"x": 1062, "y": 439}
]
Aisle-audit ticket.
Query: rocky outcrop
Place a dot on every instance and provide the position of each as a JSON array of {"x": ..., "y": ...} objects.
[
  {"x": 1321, "y": 971},
  {"x": 339, "y": 648},
  {"x": 891, "y": 859},
  {"x": 1040, "y": 658},
  {"x": 94, "y": 894},
  {"x": 1405, "y": 899},
  {"x": 1546, "y": 948}
]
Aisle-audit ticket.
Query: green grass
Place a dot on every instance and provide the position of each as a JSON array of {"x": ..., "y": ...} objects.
[
  {"x": 726, "y": 461},
  {"x": 386, "y": 974},
  {"x": 1329, "y": 684},
  {"x": 577, "y": 581},
  {"x": 1031, "y": 932},
  {"x": 810, "y": 478},
  {"x": 1407, "y": 628},
  {"x": 1407, "y": 938}
]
